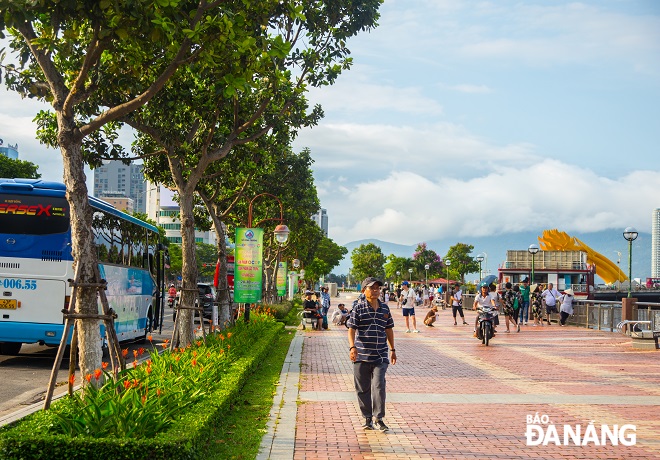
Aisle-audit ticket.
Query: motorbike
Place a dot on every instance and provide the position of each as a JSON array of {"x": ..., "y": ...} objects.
[
  {"x": 170, "y": 302},
  {"x": 485, "y": 330}
]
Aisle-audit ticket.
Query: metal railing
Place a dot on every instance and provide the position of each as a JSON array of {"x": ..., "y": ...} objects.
[
  {"x": 648, "y": 311},
  {"x": 600, "y": 315}
]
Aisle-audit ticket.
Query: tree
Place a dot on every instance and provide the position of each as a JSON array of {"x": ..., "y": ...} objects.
[
  {"x": 424, "y": 256},
  {"x": 11, "y": 168},
  {"x": 95, "y": 62},
  {"x": 367, "y": 260},
  {"x": 397, "y": 264},
  {"x": 257, "y": 86},
  {"x": 461, "y": 260}
]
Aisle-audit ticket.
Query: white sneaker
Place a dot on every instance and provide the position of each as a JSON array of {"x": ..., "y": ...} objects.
[
  {"x": 415, "y": 331},
  {"x": 407, "y": 331}
]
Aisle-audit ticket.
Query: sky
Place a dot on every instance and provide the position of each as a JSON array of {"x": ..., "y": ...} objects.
[{"x": 466, "y": 118}]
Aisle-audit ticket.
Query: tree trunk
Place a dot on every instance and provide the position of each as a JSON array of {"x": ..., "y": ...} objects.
[
  {"x": 189, "y": 290},
  {"x": 224, "y": 299},
  {"x": 82, "y": 247}
]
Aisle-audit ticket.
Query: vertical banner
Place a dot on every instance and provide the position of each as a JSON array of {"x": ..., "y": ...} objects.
[
  {"x": 281, "y": 279},
  {"x": 248, "y": 265}
]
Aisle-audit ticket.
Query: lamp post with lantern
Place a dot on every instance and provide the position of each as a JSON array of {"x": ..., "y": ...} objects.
[
  {"x": 447, "y": 264},
  {"x": 533, "y": 250},
  {"x": 410, "y": 270},
  {"x": 480, "y": 258}
]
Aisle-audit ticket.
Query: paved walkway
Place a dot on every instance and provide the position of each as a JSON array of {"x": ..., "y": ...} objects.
[{"x": 451, "y": 397}]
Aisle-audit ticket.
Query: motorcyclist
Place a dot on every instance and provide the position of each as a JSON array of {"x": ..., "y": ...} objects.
[
  {"x": 482, "y": 299},
  {"x": 171, "y": 294}
]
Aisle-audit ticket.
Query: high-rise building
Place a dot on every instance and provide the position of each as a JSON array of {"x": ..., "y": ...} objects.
[
  {"x": 655, "y": 244},
  {"x": 10, "y": 151},
  {"x": 114, "y": 177},
  {"x": 321, "y": 219}
]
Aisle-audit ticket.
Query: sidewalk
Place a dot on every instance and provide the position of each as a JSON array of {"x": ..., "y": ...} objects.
[{"x": 451, "y": 397}]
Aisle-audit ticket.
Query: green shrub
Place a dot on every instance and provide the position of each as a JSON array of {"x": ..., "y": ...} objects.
[{"x": 164, "y": 408}]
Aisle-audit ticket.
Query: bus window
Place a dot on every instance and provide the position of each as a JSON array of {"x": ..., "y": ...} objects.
[{"x": 33, "y": 215}]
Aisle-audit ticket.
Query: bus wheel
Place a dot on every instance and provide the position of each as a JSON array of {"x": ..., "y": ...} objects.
[
  {"x": 10, "y": 348},
  {"x": 149, "y": 326}
]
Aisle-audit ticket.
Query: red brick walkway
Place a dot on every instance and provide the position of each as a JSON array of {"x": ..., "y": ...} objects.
[{"x": 451, "y": 397}]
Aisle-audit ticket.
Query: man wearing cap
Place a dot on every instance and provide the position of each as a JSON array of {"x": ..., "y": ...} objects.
[
  {"x": 370, "y": 331},
  {"x": 408, "y": 305}
]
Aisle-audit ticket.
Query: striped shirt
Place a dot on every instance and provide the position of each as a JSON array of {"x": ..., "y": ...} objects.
[{"x": 370, "y": 337}]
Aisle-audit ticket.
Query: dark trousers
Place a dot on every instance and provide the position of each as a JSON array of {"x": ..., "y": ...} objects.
[
  {"x": 563, "y": 316},
  {"x": 457, "y": 309},
  {"x": 370, "y": 388}
]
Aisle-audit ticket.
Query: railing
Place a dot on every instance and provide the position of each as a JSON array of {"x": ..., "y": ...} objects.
[
  {"x": 596, "y": 314},
  {"x": 648, "y": 311}
]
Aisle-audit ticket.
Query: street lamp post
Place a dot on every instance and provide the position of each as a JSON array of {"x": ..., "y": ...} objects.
[
  {"x": 447, "y": 264},
  {"x": 480, "y": 258},
  {"x": 410, "y": 275},
  {"x": 426, "y": 276},
  {"x": 398, "y": 273},
  {"x": 630, "y": 234},
  {"x": 533, "y": 250}
]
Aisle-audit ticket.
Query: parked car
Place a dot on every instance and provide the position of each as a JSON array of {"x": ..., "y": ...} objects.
[{"x": 207, "y": 298}]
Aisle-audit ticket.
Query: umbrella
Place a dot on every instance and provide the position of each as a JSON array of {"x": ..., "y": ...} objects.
[{"x": 489, "y": 279}]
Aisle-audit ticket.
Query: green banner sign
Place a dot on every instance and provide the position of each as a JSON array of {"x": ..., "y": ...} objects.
[
  {"x": 248, "y": 263},
  {"x": 281, "y": 279}
]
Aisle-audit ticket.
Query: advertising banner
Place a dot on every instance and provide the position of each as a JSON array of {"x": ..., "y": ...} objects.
[
  {"x": 281, "y": 279},
  {"x": 248, "y": 270}
]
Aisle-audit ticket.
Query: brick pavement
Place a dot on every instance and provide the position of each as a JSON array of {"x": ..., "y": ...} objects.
[{"x": 451, "y": 397}]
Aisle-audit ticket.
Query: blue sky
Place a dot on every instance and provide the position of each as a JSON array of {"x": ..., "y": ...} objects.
[{"x": 464, "y": 119}]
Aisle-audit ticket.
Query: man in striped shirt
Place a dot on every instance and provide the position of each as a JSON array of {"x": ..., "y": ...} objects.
[{"x": 370, "y": 331}]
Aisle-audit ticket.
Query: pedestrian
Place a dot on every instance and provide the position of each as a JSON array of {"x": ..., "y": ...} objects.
[
  {"x": 550, "y": 296},
  {"x": 370, "y": 332},
  {"x": 511, "y": 301},
  {"x": 524, "y": 309},
  {"x": 536, "y": 304},
  {"x": 431, "y": 316},
  {"x": 425, "y": 296},
  {"x": 325, "y": 306},
  {"x": 398, "y": 296},
  {"x": 497, "y": 298},
  {"x": 566, "y": 308},
  {"x": 408, "y": 306},
  {"x": 456, "y": 301}
]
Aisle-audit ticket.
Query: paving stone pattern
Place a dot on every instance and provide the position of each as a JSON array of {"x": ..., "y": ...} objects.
[{"x": 450, "y": 397}]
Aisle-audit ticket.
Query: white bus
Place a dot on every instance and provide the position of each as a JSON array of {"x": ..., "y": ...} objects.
[{"x": 36, "y": 262}]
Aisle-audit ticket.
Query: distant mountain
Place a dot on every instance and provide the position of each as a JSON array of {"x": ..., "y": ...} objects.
[{"x": 608, "y": 242}]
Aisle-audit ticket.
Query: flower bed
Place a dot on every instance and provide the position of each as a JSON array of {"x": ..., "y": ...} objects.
[{"x": 164, "y": 408}]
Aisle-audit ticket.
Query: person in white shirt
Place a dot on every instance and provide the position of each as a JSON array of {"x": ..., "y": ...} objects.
[
  {"x": 550, "y": 295},
  {"x": 456, "y": 301},
  {"x": 408, "y": 303}
]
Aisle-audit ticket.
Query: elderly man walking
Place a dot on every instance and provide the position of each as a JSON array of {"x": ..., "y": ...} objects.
[{"x": 370, "y": 331}]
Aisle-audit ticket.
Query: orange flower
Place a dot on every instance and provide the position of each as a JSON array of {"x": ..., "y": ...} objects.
[
  {"x": 199, "y": 343},
  {"x": 135, "y": 353},
  {"x": 127, "y": 384},
  {"x": 164, "y": 345},
  {"x": 222, "y": 337},
  {"x": 229, "y": 334},
  {"x": 194, "y": 353},
  {"x": 159, "y": 391},
  {"x": 149, "y": 362},
  {"x": 194, "y": 362},
  {"x": 88, "y": 377},
  {"x": 135, "y": 364},
  {"x": 148, "y": 369},
  {"x": 144, "y": 399},
  {"x": 141, "y": 351},
  {"x": 228, "y": 347},
  {"x": 167, "y": 340},
  {"x": 97, "y": 374},
  {"x": 135, "y": 383},
  {"x": 124, "y": 352},
  {"x": 104, "y": 365},
  {"x": 72, "y": 378},
  {"x": 150, "y": 338},
  {"x": 177, "y": 357}
]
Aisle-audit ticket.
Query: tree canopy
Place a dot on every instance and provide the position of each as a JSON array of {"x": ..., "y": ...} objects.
[
  {"x": 461, "y": 260},
  {"x": 367, "y": 260},
  {"x": 10, "y": 168}
]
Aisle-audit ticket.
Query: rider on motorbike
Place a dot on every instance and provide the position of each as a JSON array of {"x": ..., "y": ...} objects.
[
  {"x": 482, "y": 299},
  {"x": 171, "y": 294}
]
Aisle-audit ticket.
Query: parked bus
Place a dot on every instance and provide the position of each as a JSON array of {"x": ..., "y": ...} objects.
[{"x": 36, "y": 262}]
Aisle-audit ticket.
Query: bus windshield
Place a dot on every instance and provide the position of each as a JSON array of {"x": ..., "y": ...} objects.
[{"x": 33, "y": 215}]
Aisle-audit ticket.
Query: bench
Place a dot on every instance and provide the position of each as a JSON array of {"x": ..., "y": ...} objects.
[{"x": 640, "y": 332}]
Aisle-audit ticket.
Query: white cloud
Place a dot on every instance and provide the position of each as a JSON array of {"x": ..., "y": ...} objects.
[
  {"x": 467, "y": 88},
  {"x": 406, "y": 207}
]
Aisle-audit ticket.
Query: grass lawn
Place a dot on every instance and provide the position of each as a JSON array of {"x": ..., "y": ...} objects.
[{"x": 240, "y": 435}]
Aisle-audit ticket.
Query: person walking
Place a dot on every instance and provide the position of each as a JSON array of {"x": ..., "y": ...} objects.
[
  {"x": 370, "y": 331},
  {"x": 536, "y": 304},
  {"x": 456, "y": 302},
  {"x": 566, "y": 308},
  {"x": 511, "y": 300},
  {"x": 550, "y": 296},
  {"x": 325, "y": 306},
  {"x": 523, "y": 317},
  {"x": 408, "y": 298}
]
